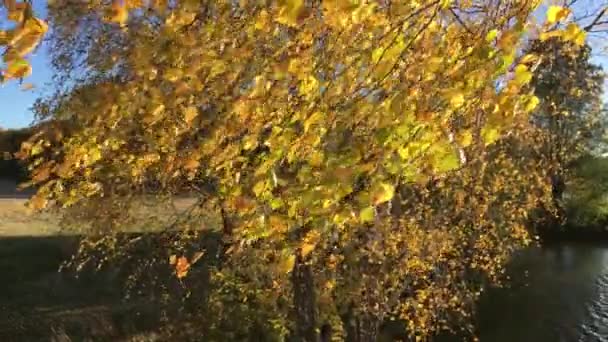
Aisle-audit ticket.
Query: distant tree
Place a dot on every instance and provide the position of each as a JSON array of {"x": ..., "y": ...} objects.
[
  {"x": 10, "y": 144},
  {"x": 586, "y": 197},
  {"x": 570, "y": 113}
]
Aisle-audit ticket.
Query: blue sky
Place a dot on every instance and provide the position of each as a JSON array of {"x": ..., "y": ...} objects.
[{"x": 15, "y": 103}]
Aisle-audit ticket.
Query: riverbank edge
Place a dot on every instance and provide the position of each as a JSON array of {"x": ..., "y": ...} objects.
[{"x": 572, "y": 233}]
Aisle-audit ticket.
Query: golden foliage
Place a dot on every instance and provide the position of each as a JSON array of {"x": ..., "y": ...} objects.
[
  {"x": 372, "y": 142},
  {"x": 19, "y": 41}
]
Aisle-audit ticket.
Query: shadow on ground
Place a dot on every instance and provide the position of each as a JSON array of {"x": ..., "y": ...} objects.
[
  {"x": 38, "y": 303},
  {"x": 9, "y": 189}
]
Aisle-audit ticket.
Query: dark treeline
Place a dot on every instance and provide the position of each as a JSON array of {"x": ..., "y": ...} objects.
[{"x": 10, "y": 143}]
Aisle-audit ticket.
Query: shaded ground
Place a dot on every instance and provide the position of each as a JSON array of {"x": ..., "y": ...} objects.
[
  {"x": 33, "y": 295},
  {"x": 38, "y": 303},
  {"x": 8, "y": 189}
]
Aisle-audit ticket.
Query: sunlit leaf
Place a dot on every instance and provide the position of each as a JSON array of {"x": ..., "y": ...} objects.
[
  {"x": 287, "y": 263},
  {"x": 492, "y": 34},
  {"x": 522, "y": 74},
  {"x": 384, "y": 192},
  {"x": 182, "y": 266},
  {"x": 119, "y": 12},
  {"x": 290, "y": 12},
  {"x": 556, "y": 13},
  {"x": 532, "y": 103},
  {"x": 190, "y": 113},
  {"x": 367, "y": 214},
  {"x": 19, "y": 68},
  {"x": 575, "y": 34}
]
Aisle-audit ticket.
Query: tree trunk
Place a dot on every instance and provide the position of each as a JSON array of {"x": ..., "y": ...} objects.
[
  {"x": 368, "y": 328},
  {"x": 304, "y": 301},
  {"x": 326, "y": 333},
  {"x": 558, "y": 186},
  {"x": 362, "y": 328}
]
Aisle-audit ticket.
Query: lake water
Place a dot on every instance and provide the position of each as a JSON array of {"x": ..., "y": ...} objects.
[{"x": 558, "y": 293}]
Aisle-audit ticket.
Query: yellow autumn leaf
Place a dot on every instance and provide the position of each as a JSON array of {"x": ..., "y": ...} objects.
[
  {"x": 316, "y": 158},
  {"x": 290, "y": 12},
  {"x": 191, "y": 164},
  {"x": 384, "y": 192},
  {"x": 522, "y": 74},
  {"x": 528, "y": 58},
  {"x": 286, "y": 263},
  {"x": 182, "y": 266},
  {"x": 456, "y": 99},
  {"x": 16, "y": 15},
  {"x": 377, "y": 53},
  {"x": 26, "y": 44},
  {"x": 367, "y": 214},
  {"x": 490, "y": 135},
  {"x": 173, "y": 74},
  {"x": 217, "y": 68},
  {"x": 94, "y": 155},
  {"x": 551, "y": 34},
  {"x": 41, "y": 174},
  {"x": 262, "y": 22},
  {"x": 5, "y": 37},
  {"x": 556, "y": 13},
  {"x": 312, "y": 120},
  {"x": 309, "y": 242},
  {"x": 575, "y": 34},
  {"x": 491, "y": 35},
  {"x": 37, "y": 202},
  {"x": 309, "y": 85},
  {"x": 119, "y": 12},
  {"x": 36, "y": 25},
  {"x": 19, "y": 68},
  {"x": 466, "y": 138},
  {"x": 532, "y": 104},
  {"x": 190, "y": 113},
  {"x": 259, "y": 188},
  {"x": 306, "y": 248}
]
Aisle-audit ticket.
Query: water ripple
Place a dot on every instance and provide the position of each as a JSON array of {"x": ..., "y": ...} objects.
[{"x": 595, "y": 327}]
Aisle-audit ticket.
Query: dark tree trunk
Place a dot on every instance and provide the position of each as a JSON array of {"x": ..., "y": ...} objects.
[
  {"x": 361, "y": 328},
  {"x": 304, "y": 301},
  {"x": 326, "y": 333},
  {"x": 558, "y": 186},
  {"x": 368, "y": 328},
  {"x": 350, "y": 324}
]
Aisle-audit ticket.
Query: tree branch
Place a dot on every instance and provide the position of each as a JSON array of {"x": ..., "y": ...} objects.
[
  {"x": 460, "y": 21},
  {"x": 596, "y": 21}
]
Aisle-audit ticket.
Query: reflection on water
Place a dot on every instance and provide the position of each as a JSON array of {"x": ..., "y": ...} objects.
[{"x": 557, "y": 293}]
